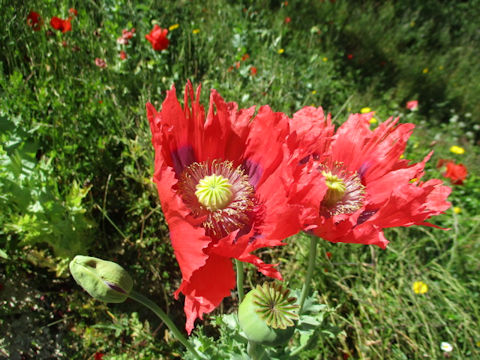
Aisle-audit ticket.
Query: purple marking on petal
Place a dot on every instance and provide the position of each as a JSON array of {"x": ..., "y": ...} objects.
[
  {"x": 364, "y": 216},
  {"x": 182, "y": 158},
  {"x": 363, "y": 170},
  {"x": 114, "y": 287},
  {"x": 304, "y": 160},
  {"x": 254, "y": 172}
]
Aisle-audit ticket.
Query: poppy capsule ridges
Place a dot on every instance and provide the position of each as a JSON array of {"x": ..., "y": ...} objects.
[{"x": 267, "y": 315}]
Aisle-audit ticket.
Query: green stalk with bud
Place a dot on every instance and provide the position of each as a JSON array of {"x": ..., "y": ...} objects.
[{"x": 109, "y": 282}]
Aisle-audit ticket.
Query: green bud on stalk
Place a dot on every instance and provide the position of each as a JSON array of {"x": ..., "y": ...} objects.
[
  {"x": 103, "y": 280},
  {"x": 267, "y": 315}
]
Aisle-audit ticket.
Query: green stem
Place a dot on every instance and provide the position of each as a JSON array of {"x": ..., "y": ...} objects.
[
  {"x": 241, "y": 292},
  {"x": 255, "y": 351},
  {"x": 164, "y": 317},
  {"x": 311, "y": 266}
]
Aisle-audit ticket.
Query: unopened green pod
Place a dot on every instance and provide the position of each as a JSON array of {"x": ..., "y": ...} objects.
[
  {"x": 267, "y": 315},
  {"x": 103, "y": 280}
]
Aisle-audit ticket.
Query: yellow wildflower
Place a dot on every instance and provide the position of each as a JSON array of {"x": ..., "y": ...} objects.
[
  {"x": 373, "y": 120},
  {"x": 173, "y": 27},
  {"x": 419, "y": 287},
  {"x": 365, "y": 110},
  {"x": 457, "y": 210},
  {"x": 281, "y": 51},
  {"x": 425, "y": 70},
  {"x": 195, "y": 31},
  {"x": 314, "y": 92},
  {"x": 457, "y": 150},
  {"x": 325, "y": 59}
]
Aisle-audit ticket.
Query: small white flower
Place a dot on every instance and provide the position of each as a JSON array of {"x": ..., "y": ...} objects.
[{"x": 447, "y": 347}]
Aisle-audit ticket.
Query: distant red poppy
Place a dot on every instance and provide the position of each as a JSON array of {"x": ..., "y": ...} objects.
[
  {"x": 158, "y": 38},
  {"x": 457, "y": 173},
  {"x": 412, "y": 104},
  {"x": 350, "y": 56},
  {"x": 237, "y": 64},
  {"x": 98, "y": 356},
  {"x": 245, "y": 57},
  {"x": 230, "y": 68},
  {"x": 123, "y": 55},
  {"x": 34, "y": 20},
  {"x": 287, "y": 20},
  {"x": 100, "y": 63},
  {"x": 329, "y": 255},
  {"x": 60, "y": 24},
  {"x": 253, "y": 71},
  {"x": 73, "y": 12},
  {"x": 126, "y": 35}
]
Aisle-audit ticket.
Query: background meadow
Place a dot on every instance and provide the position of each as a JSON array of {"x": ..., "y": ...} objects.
[{"x": 76, "y": 163}]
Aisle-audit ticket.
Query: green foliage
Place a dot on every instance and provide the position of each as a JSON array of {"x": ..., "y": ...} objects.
[
  {"x": 32, "y": 207},
  {"x": 231, "y": 342}
]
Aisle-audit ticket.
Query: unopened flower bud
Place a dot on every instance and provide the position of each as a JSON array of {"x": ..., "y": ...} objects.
[
  {"x": 103, "y": 280},
  {"x": 267, "y": 315}
]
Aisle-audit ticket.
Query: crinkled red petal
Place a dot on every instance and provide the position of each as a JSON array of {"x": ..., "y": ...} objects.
[{"x": 207, "y": 287}]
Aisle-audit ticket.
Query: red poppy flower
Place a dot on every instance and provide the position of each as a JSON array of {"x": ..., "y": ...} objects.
[
  {"x": 253, "y": 71},
  {"x": 73, "y": 11},
  {"x": 34, "y": 20},
  {"x": 457, "y": 173},
  {"x": 245, "y": 57},
  {"x": 60, "y": 24},
  {"x": 350, "y": 56},
  {"x": 126, "y": 35},
  {"x": 368, "y": 186},
  {"x": 100, "y": 63},
  {"x": 123, "y": 55},
  {"x": 287, "y": 20},
  {"x": 158, "y": 38},
  {"x": 98, "y": 356},
  {"x": 412, "y": 104},
  {"x": 220, "y": 185}
]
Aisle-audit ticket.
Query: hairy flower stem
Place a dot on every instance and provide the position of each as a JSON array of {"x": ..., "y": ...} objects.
[
  {"x": 241, "y": 292},
  {"x": 255, "y": 351},
  {"x": 164, "y": 317},
  {"x": 311, "y": 266}
]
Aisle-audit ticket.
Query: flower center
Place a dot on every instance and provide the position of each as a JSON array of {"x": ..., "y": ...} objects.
[
  {"x": 336, "y": 188},
  {"x": 345, "y": 191},
  {"x": 214, "y": 192},
  {"x": 221, "y": 193}
]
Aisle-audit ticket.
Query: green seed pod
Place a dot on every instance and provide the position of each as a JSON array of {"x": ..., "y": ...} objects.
[
  {"x": 103, "y": 280},
  {"x": 267, "y": 315}
]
